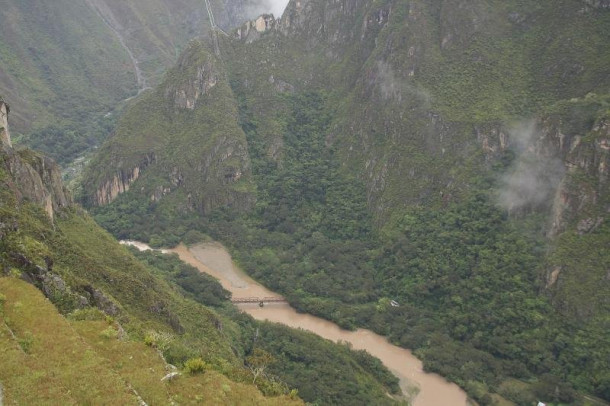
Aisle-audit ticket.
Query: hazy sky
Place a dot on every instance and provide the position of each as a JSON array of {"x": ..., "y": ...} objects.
[
  {"x": 258, "y": 7},
  {"x": 278, "y": 6}
]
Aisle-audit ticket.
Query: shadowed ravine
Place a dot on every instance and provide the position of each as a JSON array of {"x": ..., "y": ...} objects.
[{"x": 213, "y": 259}]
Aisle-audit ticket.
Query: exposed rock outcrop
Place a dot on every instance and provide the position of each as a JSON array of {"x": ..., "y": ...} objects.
[
  {"x": 199, "y": 80},
  {"x": 251, "y": 30},
  {"x": 39, "y": 180},
  {"x": 121, "y": 181},
  {"x": 5, "y": 137},
  {"x": 36, "y": 177},
  {"x": 50, "y": 283},
  {"x": 551, "y": 158},
  {"x": 101, "y": 301},
  {"x": 587, "y": 157}
]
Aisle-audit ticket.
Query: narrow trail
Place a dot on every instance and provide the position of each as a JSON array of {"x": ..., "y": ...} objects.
[{"x": 106, "y": 15}]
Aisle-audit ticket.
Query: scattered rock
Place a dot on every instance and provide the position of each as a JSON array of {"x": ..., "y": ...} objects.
[
  {"x": 122, "y": 334},
  {"x": 552, "y": 277},
  {"x": 588, "y": 225},
  {"x": 170, "y": 376},
  {"x": 101, "y": 301}
]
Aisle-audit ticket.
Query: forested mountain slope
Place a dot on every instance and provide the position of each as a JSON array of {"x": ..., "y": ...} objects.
[
  {"x": 65, "y": 66},
  {"x": 449, "y": 155},
  {"x": 113, "y": 325}
]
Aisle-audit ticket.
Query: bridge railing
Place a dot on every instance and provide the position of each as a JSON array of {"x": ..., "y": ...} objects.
[{"x": 254, "y": 299}]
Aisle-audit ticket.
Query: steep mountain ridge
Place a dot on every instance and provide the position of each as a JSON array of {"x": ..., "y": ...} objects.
[
  {"x": 192, "y": 143},
  {"x": 448, "y": 155},
  {"x": 67, "y": 68}
]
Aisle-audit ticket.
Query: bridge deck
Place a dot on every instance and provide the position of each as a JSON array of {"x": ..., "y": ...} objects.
[{"x": 258, "y": 300}]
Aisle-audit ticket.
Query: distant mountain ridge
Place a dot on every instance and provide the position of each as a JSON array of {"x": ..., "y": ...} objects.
[{"x": 66, "y": 66}]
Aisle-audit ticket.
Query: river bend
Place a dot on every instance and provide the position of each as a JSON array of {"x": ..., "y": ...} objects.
[{"x": 430, "y": 389}]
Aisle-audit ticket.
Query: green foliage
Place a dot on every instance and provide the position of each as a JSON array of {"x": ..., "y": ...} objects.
[
  {"x": 201, "y": 287},
  {"x": 323, "y": 372},
  {"x": 26, "y": 341},
  {"x": 88, "y": 313},
  {"x": 65, "y": 144},
  {"x": 193, "y": 237},
  {"x": 195, "y": 366},
  {"x": 465, "y": 275},
  {"x": 392, "y": 140},
  {"x": 109, "y": 332},
  {"x": 203, "y": 146},
  {"x": 159, "y": 339},
  {"x": 81, "y": 368},
  {"x": 64, "y": 65},
  {"x": 258, "y": 362},
  {"x": 106, "y": 274}
]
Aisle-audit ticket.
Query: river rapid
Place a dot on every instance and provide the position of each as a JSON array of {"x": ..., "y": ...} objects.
[{"x": 430, "y": 389}]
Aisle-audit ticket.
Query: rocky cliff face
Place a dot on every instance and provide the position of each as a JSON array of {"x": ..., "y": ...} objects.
[
  {"x": 251, "y": 30},
  {"x": 557, "y": 169},
  {"x": 39, "y": 180},
  {"x": 198, "y": 78},
  {"x": 35, "y": 178},
  {"x": 582, "y": 195},
  {"x": 5, "y": 137},
  {"x": 121, "y": 181}
]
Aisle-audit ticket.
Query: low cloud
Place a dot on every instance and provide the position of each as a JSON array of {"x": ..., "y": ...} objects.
[
  {"x": 534, "y": 176},
  {"x": 394, "y": 88}
]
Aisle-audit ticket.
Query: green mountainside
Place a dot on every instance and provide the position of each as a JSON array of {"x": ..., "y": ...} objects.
[
  {"x": 88, "y": 364},
  {"x": 67, "y": 66},
  {"x": 115, "y": 322},
  {"x": 449, "y": 155},
  {"x": 191, "y": 132}
]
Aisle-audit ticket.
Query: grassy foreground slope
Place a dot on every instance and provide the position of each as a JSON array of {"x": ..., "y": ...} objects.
[{"x": 53, "y": 360}]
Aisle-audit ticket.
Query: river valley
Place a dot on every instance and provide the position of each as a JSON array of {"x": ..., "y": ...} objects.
[{"x": 430, "y": 389}]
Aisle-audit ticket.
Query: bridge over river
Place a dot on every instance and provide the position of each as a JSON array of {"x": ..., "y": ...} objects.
[{"x": 260, "y": 300}]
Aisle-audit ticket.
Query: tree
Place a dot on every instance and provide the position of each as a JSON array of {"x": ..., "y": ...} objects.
[{"x": 258, "y": 362}]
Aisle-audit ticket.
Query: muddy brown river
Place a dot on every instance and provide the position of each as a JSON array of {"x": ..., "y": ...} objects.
[{"x": 423, "y": 388}]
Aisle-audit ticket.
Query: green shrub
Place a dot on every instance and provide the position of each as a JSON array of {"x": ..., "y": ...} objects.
[
  {"x": 193, "y": 237},
  {"x": 195, "y": 366},
  {"x": 149, "y": 340},
  {"x": 110, "y": 332},
  {"x": 158, "y": 339},
  {"x": 86, "y": 314}
]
